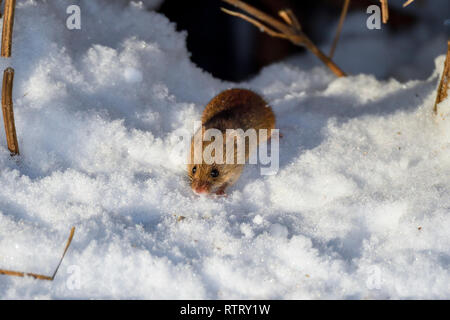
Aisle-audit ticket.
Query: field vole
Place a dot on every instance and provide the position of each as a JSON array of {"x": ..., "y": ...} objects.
[{"x": 230, "y": 109}]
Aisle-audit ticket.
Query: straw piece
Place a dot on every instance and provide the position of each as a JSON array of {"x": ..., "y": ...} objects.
[
  {"x": 8, "y": 23},
  {"x": 40, "y": 276}
]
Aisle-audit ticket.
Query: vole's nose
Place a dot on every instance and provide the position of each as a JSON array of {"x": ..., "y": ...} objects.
[{"x": 201, "y": 188}]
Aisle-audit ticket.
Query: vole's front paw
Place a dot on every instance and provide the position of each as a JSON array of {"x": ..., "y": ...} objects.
[{"x": 221, "y": 193}]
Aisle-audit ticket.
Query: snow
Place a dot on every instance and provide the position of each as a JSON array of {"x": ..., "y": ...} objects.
[{"x": 358, "y": 209}]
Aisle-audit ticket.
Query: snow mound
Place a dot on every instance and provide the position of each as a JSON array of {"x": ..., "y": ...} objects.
[{"x": 359, "y": 207}]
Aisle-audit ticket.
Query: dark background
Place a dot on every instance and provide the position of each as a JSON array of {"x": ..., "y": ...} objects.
[{"x": 232, "y": 49}]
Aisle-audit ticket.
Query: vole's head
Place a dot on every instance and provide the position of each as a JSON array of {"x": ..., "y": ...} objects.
[{"x": 211, "y": 178}]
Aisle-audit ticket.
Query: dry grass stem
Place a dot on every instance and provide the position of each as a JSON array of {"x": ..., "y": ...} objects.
[
  {"x": 442, "y": 90},
  {"x": 407, "y": 3},
  {"x": 290, "y": 31},
  {"x": 40, "y": 276},
  {"x": 339, "y": 29},
  {"x": 384, "y": 10},
  {"x": 290, "y": 18},
  {"x": 8, "y": 23},
  {"x": 8, "y": 111},
  {"x": 256, "y": 23}
]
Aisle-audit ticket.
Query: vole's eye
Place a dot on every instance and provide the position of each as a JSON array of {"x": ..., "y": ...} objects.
[
  {"x": 214, "y": 173},
  {"x": 194, "y": 170}
]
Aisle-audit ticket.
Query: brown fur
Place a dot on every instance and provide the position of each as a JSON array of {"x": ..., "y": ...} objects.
[{"x": 230, "y": 109}]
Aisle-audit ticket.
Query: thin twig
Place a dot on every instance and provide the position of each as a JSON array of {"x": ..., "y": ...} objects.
[
  {"x": 8, "y": 111},
  {"x": 385, "y": 10},
  {"x": 443, "y": 87},
  {"x": 290, "y": 31},
  {"x": 8, "y": 23},
  {"x": 69, "y": 241},
  {"x": 290, "y": 18},
  {"x": 255, "y": 23},
  {"x": 339, "y": 28},
  {"x": 260, "y": 15},
  {"x": 25, "y": 274},
  {"x": 40, "y": 276},
  {"x": 407, "y": 3}
]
